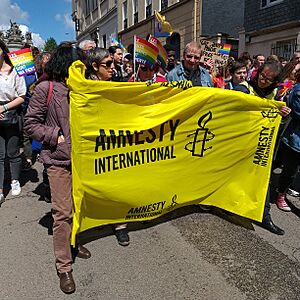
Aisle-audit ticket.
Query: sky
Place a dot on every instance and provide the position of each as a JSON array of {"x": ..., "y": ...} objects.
[{"x": 44, "y": 18}]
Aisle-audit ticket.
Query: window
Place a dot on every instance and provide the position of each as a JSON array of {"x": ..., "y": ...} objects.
[
  {"x": 104, "y": 40},
  {"x": 285, "y": 49},
  {"x": 94, "y": 4},
  {"x": 87, "y": 7},
  {"x": 125, "y": 19},
  {"x": 267, "y": 3},
  {"x": 148, "y": 8},
  {"x": 163, "y": 4},
  {"x": 135, "y": 11}
]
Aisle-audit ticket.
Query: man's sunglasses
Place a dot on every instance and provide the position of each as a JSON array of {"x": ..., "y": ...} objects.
[{"x": 107, "y": 64}]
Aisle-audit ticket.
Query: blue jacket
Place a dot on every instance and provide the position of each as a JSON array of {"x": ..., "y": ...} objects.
[
  {"x": 178, "y": 74},
  {"x": 291, "y": 136}
]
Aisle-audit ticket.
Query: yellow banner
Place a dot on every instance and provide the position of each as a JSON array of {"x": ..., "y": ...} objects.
[{"x": 140, "y": 150}]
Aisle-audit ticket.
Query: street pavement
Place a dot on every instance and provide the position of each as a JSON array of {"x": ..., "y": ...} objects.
[{"x": 188, "y": 254}]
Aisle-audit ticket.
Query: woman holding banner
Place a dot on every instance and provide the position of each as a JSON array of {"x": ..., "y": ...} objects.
[
  {"x": 264, "y": 85},
  {"x": 99, "y": 64},
  {"x": 12, "y": 95}
]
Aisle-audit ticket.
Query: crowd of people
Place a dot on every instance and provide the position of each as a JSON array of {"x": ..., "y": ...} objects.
[{"x": 34, "y": 112}]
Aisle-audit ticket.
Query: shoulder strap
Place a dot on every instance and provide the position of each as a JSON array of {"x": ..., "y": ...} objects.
[{"x": 49, "y": 97}]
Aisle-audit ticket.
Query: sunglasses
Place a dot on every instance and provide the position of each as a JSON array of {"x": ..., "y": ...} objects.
[
  {"x": 144, "y": 69},
  {"x": 264, "y": 77},
  {"x": 189, "y": 56},
  {"x": 107, "y": 64}
]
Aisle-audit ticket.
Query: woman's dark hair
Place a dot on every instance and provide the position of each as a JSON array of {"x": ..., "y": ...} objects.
[
  {"x": 94, "y": 56},
  {"x": 287, "y": 70},
  {"x": 5, "y": 53},
  {"x": 113, "y": 49},
  {"x": 275, "y": 67},
  {"x": 245, "y": 55},
  {"x": 57, "y": 68}
]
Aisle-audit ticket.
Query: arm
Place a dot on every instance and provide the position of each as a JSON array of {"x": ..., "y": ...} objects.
[
  {"x": 34, "y": 123},
  {"x": 12, "y": 104}
]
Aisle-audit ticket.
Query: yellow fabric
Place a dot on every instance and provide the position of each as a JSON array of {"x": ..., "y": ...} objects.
[
  {"x": 191, "y": 145},
  {"x": 271, "y": 96}
]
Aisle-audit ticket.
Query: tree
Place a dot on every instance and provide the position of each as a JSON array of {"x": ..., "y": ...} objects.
[{"x": 50, "y": 44}]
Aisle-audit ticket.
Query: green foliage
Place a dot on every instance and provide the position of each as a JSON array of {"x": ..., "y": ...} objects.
[{"x": 50, "y": 44}]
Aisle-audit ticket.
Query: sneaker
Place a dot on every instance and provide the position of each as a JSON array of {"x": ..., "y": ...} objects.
[
  {"x": 293, "y": 193},
  {"x": 2, "y": 199},
  {"x": 15, "y": 188},
  {"x": 281, "y": 203},
  {"x": 122, "y": 236},
  {"x": 27, "y": 165}
]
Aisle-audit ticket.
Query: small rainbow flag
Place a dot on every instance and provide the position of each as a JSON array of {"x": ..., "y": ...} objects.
[
  {"x": 23, "y": 61},
  {"x": 225, "y": 49},
  {"x": 145, "y": 53},
  {"x": 115, "y": 42},
  {"x": 162, "y": 56}
]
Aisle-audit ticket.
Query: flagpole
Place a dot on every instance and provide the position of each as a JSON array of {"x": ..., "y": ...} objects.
[
  {"x": 134, "y": 49},
  {"x": 154, "y": 23}
]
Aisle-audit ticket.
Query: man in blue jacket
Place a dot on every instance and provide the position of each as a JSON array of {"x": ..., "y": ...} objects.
[{"x": 190, "y": 69}]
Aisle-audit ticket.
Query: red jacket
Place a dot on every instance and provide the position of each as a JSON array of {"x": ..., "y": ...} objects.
[{"x": 44, "y": 122}]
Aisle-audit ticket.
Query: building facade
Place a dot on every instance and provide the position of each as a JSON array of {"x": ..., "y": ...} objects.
[
  {"x": 217, "y": 20},
  {"x": 190, "y": 20},
  {"x": 271, "y": 27},
  {"x": 96, "y": 20}
]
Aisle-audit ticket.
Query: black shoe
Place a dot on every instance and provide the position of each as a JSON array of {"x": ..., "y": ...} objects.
[
  {"x": 122, "y": 236},
  {"x": 83, "y": 252},
  {"x": 270, "y": 226},
  {"x": 27, "y": 165}
]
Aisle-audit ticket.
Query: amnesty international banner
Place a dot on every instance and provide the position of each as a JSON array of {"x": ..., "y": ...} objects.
[{"x": 141, "y": 150}]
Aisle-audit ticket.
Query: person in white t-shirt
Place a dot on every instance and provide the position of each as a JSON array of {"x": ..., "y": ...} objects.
[{"x": 12, "y": 95}]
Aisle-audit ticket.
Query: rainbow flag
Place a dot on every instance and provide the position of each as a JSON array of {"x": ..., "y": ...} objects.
[
  {"x": 162, "y": 28},
  {"x": 225, "y": 49},
  {"x": 145, "y": 53},
  {"x": 23, "y": 61},
  {"x": 115, "y": 42},
  {"x": 162, "y": 56}
]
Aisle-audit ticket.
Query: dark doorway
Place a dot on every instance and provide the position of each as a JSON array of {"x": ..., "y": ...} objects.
[{"x": 174, "y": 40}]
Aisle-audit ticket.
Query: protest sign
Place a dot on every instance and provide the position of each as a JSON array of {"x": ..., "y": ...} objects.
[
  {"x": 216, "y": 52},
  {"x": 23, "y": 61},
  {"x": 145, "y": 53}
]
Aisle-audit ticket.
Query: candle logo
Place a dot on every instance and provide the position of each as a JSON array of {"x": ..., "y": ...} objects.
[
  {"x": 173, "y": 204},
  {"x": 201, "y": 137},
  {"x": 271, "y": 114}
]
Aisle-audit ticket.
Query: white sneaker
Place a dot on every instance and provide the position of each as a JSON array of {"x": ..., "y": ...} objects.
[
  {"x": 15, "y": 188},
  {"x": 293, "y": 193},
  {"x": 2, "y": 199}
]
